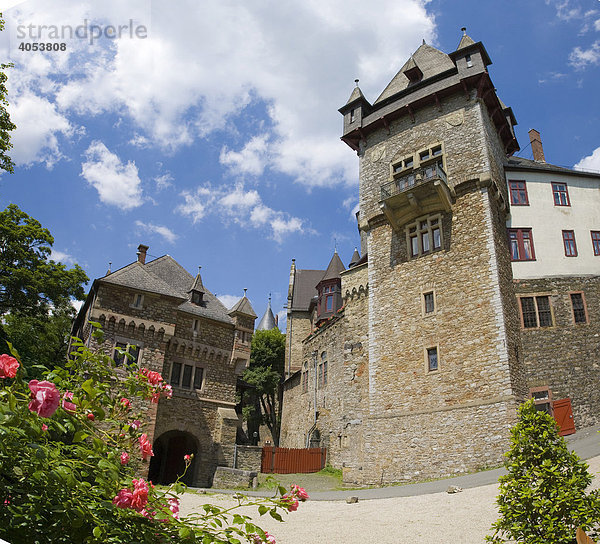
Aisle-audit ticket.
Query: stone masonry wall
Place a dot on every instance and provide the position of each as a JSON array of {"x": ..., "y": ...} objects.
[
  {"x": 340, "y": 404},
  {"x": 206, "y": 414},
  {"x": 441, "y": 412},
  {"x": 566, "y": 356},
  {"x": 298, "y": 328}
]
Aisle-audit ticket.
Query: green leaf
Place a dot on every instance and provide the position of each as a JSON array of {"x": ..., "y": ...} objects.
[{"x": 80, "y": 436}]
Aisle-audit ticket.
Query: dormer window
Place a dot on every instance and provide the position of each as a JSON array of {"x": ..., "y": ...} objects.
[
  {"x": 197, "y": 297},
  {"x": 414, "y": 74},
  {"x": 469, "y": 61},
  {"x": 352, "y": 115}
]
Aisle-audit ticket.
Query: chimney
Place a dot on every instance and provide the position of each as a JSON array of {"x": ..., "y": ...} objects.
[
  {"x": 536, "y": 146},
  {"x": 141, "y": 253}
]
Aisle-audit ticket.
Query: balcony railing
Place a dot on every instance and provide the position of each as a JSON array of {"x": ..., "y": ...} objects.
[{"x": 409, "y": 180}]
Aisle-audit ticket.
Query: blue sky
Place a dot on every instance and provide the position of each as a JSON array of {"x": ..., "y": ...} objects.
[{"x": 213, "y": 133}]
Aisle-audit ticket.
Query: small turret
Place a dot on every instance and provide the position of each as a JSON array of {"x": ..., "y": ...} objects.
[
  {"x": 268, "y": 321},
  {"x": 197, "y": 291},
  {"x": 355, "y": 110}
]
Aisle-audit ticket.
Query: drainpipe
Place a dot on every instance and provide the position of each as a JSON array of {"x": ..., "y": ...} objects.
[
  {"x": 316, "y": 415},
  {"x": 235, "y": 456}
]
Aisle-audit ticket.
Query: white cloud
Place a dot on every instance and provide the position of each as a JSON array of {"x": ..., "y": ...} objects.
[
  {"x": 591, "y": 162},
  {"x": 117, "y": 184},
  {"x": 39, "y": 126},
  {"x": 580, "y": 58},
  {"x": 297, "y": 58},
  {"x": 244, "y": 207},
  {"x": 77, "y": 304},
  {"x": 61, "y": 257},
  {"x": 151, "y": 228},
  {"x": 163, "y": 181},
  {"x": 597, "y": 25},
  {"x": 229, "y": 301},
  {"x": 252, "y": 159}
]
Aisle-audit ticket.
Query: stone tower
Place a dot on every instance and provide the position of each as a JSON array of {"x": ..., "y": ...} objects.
[{"x": 445, "y": 364}]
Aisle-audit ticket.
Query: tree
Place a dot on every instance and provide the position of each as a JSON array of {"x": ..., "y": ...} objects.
[
  {"x": 30, "y": 282},
  {"x": 265, "y": 373},
  {"x": 43, "y": 340},
  {"x": 542, "y": 498},
  {"x": 6, "y": 125}
]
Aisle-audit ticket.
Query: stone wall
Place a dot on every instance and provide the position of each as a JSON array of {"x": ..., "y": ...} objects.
[
  {"x": 298, "y": 328},
  {"x": 231, "y": 478},
  {"x": 206, "y": 416},
  {"x": 566, "y": 356}
]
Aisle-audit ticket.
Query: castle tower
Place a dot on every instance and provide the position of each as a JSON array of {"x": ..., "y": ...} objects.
[
  {"x": 445, "y": 370},
  {"x": 268, "y": 321}
]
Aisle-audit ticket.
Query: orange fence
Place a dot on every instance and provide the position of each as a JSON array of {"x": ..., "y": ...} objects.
[{"x": 291, "y": 461}]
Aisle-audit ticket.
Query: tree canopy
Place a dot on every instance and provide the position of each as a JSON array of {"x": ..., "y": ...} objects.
[
  {"x": 265, "y": 374},
  {"x": 6, "y": 125},
  {"x": 30, "y": 282}
]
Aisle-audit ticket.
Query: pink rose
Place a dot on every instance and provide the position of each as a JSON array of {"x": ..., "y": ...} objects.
[
  {"x": 145, "y": 446},
  {"x": 155, "y": 398},
  {"x": 187, "y": 458},
  {"x": 174, "y": 507},
  {"x": 140, "y": 494},
  {"x": 135, "y": 424},
  {"x": 8, "y": 366},
  {"x": 91, "y": 416},
  {"x": 67, "y": 404},
  {"x": 168, "y": 390},
  {"x": 153, "y": 378},
  {"x": 123, "y": 498},
  {"x": 299, "y": 492},
  {"x": 124, "y": 458},
  {"x": 269, "y": 539},
  {"x": 125, "y": 403},
  {"x": 45, "y": 398},
  {"x": 44, "y": 427},
  {"x": 290, "y": 502}
]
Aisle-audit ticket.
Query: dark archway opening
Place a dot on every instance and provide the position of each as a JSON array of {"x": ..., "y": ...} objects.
[{"x": 168, "y": 462}]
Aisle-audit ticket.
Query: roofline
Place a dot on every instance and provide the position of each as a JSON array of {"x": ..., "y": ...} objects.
[{"x": 558, "y": 170}]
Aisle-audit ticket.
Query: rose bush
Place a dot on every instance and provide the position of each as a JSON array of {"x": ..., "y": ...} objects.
[{"x": 66, "y": 477}]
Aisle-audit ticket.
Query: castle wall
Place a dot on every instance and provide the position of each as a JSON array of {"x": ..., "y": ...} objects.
[
  {"x": 564, "y": 357},
  {"x": 341, "y": 402},
  {"x": 166, "y": 336}
]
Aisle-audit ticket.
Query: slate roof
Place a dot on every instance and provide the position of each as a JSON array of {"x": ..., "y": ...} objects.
[
  {"x": 355, "y": 258},
  {"x": 356, "y": 95},
  {"x": 305, "y": 288},
  {"x": 465, "y": 41},
  {"x": 334, "y": 269},
  {"x": 431, "y": 61},
  {"x": 243, "y": 306},
  {"x": 267, "y": 322},
  {"x": 165, "y": 276},
  {"x": 519, "y": 163}
]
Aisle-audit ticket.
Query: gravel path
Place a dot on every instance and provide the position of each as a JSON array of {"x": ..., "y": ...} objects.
[{"x": 437, "y": 518}]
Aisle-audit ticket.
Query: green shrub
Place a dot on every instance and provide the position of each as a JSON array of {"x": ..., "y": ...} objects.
[{"x": 543, "y": 497}]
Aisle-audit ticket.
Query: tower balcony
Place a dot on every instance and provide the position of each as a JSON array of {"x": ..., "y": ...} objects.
[{"x": 417, "y": 192}]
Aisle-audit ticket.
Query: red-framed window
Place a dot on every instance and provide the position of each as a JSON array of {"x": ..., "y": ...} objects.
[
  {"x": 569, "y": 243},
  {"x": 561, "y": 194},
  {"x": 596, "y": 241},
  {"x": 521, "y": 245},
  {"x": 518, "y": 193}
]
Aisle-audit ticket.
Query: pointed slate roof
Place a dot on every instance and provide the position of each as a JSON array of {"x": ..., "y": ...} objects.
[
  {"x": 334, "y": 269},
  {"x": 356, "y": 95},
  {"x": 267, "y": 322},
  {"x": 243, "y": 306},
  {"x": 465, "y": 41},
  {"x": 197, "y": 285},
  {"x": 431, "y": 61},
  {"x": 355, "y": 258}
]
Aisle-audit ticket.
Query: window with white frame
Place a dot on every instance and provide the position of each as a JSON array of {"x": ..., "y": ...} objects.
[
  {"x": 186, "y": 375},
  {"x": 424, "y": 236},
  {"x": 432, "y": 359}
]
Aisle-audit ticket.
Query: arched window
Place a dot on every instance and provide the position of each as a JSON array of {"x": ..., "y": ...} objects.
[{"x": 322, "y": 379}]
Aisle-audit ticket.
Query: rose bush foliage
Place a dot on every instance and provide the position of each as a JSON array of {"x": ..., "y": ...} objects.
[{"x": 72, "y": 449}]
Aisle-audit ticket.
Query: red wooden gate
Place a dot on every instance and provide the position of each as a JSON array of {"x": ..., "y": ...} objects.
[
  {"x": 291, "y": 461},
  {"x": 563, "y": 414}
]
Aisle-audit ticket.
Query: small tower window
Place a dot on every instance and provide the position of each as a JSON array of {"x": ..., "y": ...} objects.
[
  {"x": 197, "y": 297},
  {"x": 138, "y": 300},
  {"x": 469, "y": 61},
  {"x": 352, "y": 115}
]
